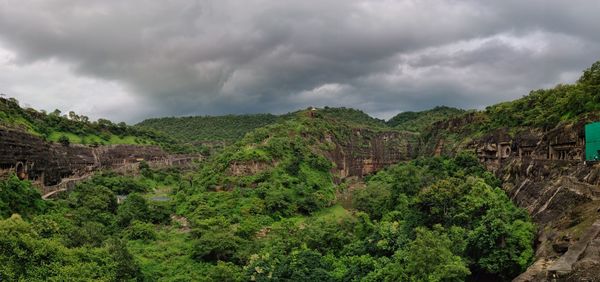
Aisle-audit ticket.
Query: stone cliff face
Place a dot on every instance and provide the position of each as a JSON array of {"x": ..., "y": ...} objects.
[
  {"x": 544, "y": 173},
  {"x": 32, "y": 158},
  {"x": 366, "y": 151}
]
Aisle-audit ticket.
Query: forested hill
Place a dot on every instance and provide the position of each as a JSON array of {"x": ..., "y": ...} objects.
[
  {"x": 268, "y": 208},
  {"x": 208, "y": 128},
  {"x": 419, "y": 121},
  {"x": 545, "y": 108},
  {"x": 542, "y": 108},
  {"x": 353, "y": 117},
  {"x": 230, "y": 128},
  {"x": 74, "y": 128}
]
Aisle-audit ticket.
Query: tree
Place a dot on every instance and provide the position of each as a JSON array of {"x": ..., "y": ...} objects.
[
  {"x": 303, "y": 265},
  {"x": 225, "y": 272},
  {"x": 375, "y": 199},
  {"x": 591, "y": 76},
  {"x": 279, "y": 201},
  {"x": 25, "y": 256},
  {"x": 439, "y": 202},
  {"x": 126, "y": 267},
  {"x": 64, "y": 140},
  {"x": 501, "y": 243},
  {"x": 134, "y": 207},
  {"x": 145, "y": 169},
  {"x": 216, "y": 246},
  {"x": 18, "y": 196},
  {"x": 429, "y": 258},
  {"x": 140, "y": 231}
]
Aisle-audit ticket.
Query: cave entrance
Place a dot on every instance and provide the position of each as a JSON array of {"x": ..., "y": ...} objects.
[{"x": 20, "y": 170}]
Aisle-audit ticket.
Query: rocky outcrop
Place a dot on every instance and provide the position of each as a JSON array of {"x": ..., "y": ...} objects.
[
  {"x": 564, "y": 265},
  {"x": 563, "y": 199},
  {"x": 248, "y": 168},
  {"x": 47, "y": 163},
  {"x": 545, "y": 173},
  {"x": 366, "y": 151}
]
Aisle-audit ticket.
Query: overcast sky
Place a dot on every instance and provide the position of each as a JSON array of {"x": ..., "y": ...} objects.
[{"x": 129, "y": 60}]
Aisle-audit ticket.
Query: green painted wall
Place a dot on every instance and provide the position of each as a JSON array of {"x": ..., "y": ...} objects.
[{"x": 592, "y": 141}]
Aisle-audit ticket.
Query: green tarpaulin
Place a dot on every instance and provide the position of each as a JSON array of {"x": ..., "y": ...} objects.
[{"x": 592, "y": 141}]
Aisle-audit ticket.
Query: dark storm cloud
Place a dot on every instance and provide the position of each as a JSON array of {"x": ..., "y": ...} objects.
[{"x": 213, "y": 57}]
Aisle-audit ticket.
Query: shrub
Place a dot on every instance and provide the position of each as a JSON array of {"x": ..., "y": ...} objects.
[{"x": 140, "y": 231}]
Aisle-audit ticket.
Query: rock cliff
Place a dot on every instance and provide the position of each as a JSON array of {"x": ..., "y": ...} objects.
[
  {"x": 545, "y": 173},
  {"x": 47, "y": 163},
  {"x": 366, "y": 151}
]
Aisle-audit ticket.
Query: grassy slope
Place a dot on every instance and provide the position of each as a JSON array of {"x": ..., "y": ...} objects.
[{"x": 78, "y": 129}]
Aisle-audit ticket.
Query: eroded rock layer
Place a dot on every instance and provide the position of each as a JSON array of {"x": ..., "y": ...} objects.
[
  {"x": 366, "y": 151},
  {"x": 545, "y": 173},
  {"x": 32, "y": 158}
]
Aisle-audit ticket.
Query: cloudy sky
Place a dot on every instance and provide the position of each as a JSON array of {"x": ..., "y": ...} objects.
[{"x": 129, "y": 60}]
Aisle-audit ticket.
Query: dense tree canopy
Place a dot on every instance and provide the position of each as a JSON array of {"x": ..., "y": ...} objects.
[{"x": 419, "y": 121}]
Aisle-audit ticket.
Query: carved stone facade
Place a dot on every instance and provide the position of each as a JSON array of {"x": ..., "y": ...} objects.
[
  {"x": 561, "y": 144},
  {"x": 544, "y": 172},
  {"x": 32, "y": 158}
]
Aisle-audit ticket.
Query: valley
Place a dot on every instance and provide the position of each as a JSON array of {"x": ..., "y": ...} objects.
[{"x": 319, "y": 194}]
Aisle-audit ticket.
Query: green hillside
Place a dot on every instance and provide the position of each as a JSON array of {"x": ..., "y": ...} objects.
[
  {"x": 77, "y": 129},
  {"x": 208, "y": 128},
  {"x": 419, "y": 121},
  {"x": 267, "y": 207},
  {"x": 541, "y": 109},
  {"x": 351, "y": 116},
  {"x": 230, "y": 128},
  {"x": 546, "y": 108}
]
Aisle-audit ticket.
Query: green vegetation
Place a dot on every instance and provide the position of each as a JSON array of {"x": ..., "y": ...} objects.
[
  {"x": 350, "y": 116},
  {"x": 27, "y": 254},
  {"x": 542, "y": 109},
  {"x": 78, "y": 129},
  {"x": 19, "y": 197},
  {"x": 265, "y": 209},
  {"x": 227, "y": 128},
  {"x": 83, "y": 236},
  {"x": 419, "y": 121},
  {"x": 432, "y": 219},
  {"x": 546, "y": 108},
  {"x": 231, "y": 128}
]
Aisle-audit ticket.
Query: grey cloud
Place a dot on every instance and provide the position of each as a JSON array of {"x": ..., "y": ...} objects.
[{"x": 188, "y": 57}]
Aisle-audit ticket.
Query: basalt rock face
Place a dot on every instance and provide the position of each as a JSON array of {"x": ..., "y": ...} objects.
[
  {"x": 32, "y": 158},
  {"x": 563, "y": 199},
  {"x": 545, "y": 173},
  {"x": 248, "y": 168},
  {"x": 366, "y": 151}
]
